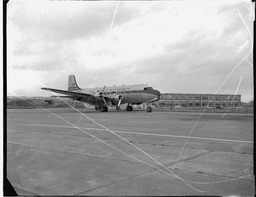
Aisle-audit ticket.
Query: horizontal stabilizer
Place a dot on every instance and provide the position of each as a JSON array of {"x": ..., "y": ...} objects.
[{"x": 68, "y": 92}]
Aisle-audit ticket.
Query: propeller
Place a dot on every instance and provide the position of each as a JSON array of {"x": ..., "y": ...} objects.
[
  {"x": 116, "y": 98},
  {"x": 101, "y": 95},
  {"x": 119, "y": 101}
]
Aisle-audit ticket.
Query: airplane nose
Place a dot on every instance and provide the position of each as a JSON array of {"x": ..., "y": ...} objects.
[{"x": 157, "y": 93}]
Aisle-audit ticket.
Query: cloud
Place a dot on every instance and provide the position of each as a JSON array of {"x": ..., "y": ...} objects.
[
  {"x": 55, "y": 22},
  {"x": 174, "y": 46}
]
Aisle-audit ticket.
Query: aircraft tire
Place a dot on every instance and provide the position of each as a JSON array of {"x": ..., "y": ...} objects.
[
  {"x": 149, "y": 109},
  {"x": 105, "y": 109},
  {"x": 129, "y": 108}
]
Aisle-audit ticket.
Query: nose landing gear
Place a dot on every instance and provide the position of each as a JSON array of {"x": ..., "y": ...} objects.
[{"x": 149, "y": 109}]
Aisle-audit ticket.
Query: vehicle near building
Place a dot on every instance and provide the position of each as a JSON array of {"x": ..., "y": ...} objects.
[
  {"x": 177, "y": 107},
  {"x": 219, "y": 107}
]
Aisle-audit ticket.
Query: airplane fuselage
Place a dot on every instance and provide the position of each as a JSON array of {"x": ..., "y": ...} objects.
[
  {"x": 134, "y": 94},
  {"x": 115, "y": 95}
]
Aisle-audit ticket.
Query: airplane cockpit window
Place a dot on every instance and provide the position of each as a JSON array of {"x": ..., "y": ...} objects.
[{"x": 148, "y": 88}]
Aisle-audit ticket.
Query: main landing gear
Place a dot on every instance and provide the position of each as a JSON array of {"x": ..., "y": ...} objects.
[
  {"x": 129, "y": 108},
  {"x": 101, "y": 108}
]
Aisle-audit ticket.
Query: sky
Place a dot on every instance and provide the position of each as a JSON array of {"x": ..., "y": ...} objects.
[{"x": 173, "y": 46}]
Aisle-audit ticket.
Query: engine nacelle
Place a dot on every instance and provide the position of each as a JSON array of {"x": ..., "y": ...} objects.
[{"x": 115, "y": 99}]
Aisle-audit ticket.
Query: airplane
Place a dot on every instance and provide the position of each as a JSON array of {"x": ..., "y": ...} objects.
[{"x": 115, "y": 95}]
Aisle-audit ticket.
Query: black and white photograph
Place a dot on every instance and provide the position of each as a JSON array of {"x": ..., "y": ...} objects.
[{"x": 129, "y": 98}]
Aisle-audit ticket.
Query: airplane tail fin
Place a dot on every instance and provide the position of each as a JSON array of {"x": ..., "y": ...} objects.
[{"x": 72, "y": 85}]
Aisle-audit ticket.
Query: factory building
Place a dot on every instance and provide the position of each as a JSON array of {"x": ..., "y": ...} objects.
[{"x": 199, "y": 100}]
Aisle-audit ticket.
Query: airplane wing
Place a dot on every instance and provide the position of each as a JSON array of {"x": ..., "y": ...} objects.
[{"x": 88, "y": 98}]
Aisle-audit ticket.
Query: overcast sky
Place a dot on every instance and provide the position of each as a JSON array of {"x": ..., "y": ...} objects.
[{"x": 174, "y": 46}]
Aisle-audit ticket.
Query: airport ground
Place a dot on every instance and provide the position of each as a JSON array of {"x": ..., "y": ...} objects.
[{"x": 64, "y": 152}]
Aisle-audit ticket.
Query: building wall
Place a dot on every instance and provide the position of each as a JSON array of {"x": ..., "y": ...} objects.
[{"x": 199, "y": 100}]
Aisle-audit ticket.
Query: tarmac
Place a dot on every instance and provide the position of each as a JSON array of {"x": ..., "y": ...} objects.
[{"x": 77, "y": 152}]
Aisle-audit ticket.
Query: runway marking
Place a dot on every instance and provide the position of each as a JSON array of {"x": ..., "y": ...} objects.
[
  {"x": 61, "y": 151},
  {"x": 206, "y": 113},
  {"x": 150, "y": 134},
  {"x": 169, "y": 171}
]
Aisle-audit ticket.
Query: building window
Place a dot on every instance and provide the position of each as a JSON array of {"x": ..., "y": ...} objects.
[
  {"x": 237, "y": 98},
  {"x": 211, "y": 98},
  {"x": 211, "y": 104},
  {"x": 223, "y": 98},
  {"x": 161, "y": 104},
  {"x": 183, "y": 97},
  {"x": 176, "y": 97},
  {"x": 191, "y": 97},
  {"x": 183, "y": 104},
  {"x": 190, "y": 104},
  {"x": 205, "y": 98},
  {"x": 204, "y": 104},
  {"x": 217, "y": 98},
  {"x": 166, "y": 97}
]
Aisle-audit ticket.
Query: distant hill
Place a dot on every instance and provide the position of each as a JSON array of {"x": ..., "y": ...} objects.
[{"x": 38, "y": 102}]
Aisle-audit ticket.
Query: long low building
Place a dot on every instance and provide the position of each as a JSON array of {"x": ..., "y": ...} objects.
[{"x": 199, "y": 100}]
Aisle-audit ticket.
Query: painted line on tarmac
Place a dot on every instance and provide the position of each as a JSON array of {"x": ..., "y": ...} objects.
[
  {"x": 57, "y": 150},
  {"x": 206, "y": 113},
  {"x": 151, "y": 134}
]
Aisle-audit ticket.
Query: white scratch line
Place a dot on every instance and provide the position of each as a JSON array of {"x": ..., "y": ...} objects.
[
  {"x": 169, "y": 171},
  {"x": 151, "y": 134},
  {"x": 173, "y": 174},
  {"x": 234, "y": 96}
]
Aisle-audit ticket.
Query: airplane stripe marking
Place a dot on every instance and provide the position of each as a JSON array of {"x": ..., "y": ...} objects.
[{"x": 151, "y": 134}]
